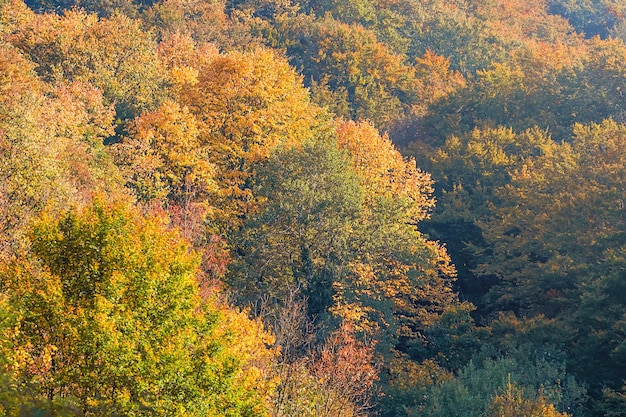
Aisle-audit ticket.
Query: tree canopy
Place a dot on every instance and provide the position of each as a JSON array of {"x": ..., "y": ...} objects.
[{"x": 323, "y": 208}]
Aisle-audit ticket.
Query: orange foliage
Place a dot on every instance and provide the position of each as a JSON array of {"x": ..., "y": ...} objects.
[
  {"x": 347, "y": 374},
  {"x": 383, "y": 170},
  {"x": 166, "y": 159},
  {"x": 435, "y": 80}
]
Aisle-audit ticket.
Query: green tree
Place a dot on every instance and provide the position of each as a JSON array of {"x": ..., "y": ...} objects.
[
  {"x": 111, "y": 321},
  {"x": 348, "y": 69},
  {"x": 299, "y": 238},
  {"x": 347, "y": 220}
]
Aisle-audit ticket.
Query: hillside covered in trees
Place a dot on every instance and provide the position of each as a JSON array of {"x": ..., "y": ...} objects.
[{"x": 313, "y": 208}]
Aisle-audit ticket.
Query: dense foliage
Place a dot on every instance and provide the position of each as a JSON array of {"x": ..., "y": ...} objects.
[{"x": 204, "y": 208}]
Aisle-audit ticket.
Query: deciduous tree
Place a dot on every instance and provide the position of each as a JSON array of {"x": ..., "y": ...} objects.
[
  {"x": 113, "y": 54},
  {"x": 110, "y": 321},
  {"x": 247, "y": 105}
]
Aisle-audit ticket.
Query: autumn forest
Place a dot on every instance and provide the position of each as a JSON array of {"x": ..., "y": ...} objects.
[{"x": 329, "y": 208}]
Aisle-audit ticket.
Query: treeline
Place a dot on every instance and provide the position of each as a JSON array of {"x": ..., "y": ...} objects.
[{"x": 203, "y": 209}]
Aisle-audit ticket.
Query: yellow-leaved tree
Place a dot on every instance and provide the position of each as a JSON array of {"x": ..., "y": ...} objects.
[
  {"x": 104, "y": 317},
  {"x": 512, "y": 403},
  {"x": 113, "y": 54},
  {"x": 246, "y": 105},
  {"x": 167, "y": 165},
  {"x": 50, "y": 146}
]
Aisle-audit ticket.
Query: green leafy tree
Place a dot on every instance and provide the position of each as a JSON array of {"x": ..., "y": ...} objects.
[
  {"x": 349, "y": 69},
  {"x": 110, "y": 321},
  {"x": 347, "y": 221},
  {"x": 299, "y": 239}
]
